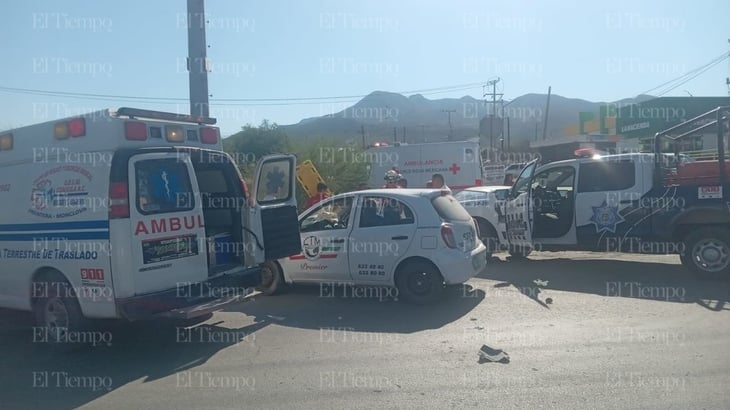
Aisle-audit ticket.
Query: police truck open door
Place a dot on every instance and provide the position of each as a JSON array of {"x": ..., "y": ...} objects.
[{"x": 519, "y": 212}]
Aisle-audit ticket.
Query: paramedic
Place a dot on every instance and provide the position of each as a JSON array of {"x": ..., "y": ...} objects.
[
  {"x": 391, "y": 179},
  {"x": 321, "y": 195}
]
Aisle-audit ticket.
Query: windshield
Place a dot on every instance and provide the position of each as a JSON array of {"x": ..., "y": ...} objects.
[{"x": 523, "y": 180}]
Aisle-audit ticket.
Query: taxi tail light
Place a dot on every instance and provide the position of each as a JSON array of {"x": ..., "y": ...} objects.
[
  {"x": 209, "y": 135},
  {"x": 135, "y": 131},
  {"x": 447, "y": 234},
  {"x": 118, "y": 200}
]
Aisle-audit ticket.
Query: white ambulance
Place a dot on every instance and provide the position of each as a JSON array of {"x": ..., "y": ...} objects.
[
  {"x": 133, "y": 213},
  {"x": 459, "y": 162}
]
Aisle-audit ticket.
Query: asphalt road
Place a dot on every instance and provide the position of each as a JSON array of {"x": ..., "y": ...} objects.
[{"x": 622, "y": 331}]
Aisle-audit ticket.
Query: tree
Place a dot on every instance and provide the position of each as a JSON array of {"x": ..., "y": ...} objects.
[
  {"x": 342, "y": 165},
  {"x": 252, "y": 143}
]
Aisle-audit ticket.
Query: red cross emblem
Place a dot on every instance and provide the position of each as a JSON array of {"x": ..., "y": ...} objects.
[{"x": 455, "y": 168}]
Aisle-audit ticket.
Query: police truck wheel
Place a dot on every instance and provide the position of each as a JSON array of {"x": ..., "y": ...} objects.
[
  {"x": 57, "y": 313},
  {"x": 489, "y": 238},
  {"x": 519, "y": 252},
  {"x": 420, "y": 283},
  {"x": 272, "y": 278},
  {"x": 707, "y": 253}
]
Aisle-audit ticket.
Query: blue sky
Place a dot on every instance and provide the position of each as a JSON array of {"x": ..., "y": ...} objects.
[{"x": 600, "y": 51}]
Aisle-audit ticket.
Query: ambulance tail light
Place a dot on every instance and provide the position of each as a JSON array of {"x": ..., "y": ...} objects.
[
  {"x": 174, "y": 133},
  {"x": 209, "y": 135},
  {"x": 447, "y": 234},
  {"x": 73, "y": 128},
  {"x": 77, "y": 127},
  {"x": 118, "y": 200},
  {"x": 6, "y": 142},
  {"x": 135, "y": 131}
]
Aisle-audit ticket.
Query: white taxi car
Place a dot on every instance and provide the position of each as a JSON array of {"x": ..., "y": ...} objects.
[
  {"x": 486, "y": 205},
  {"x": 414, "y": 240}
]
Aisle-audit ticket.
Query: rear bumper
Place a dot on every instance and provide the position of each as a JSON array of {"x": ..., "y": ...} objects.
[
  {"x": 190, "y": 300},
  {"x": 463, "y": 267}
]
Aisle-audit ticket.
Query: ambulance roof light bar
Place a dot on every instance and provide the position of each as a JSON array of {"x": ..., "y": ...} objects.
[{"x": 137, "y": 113}]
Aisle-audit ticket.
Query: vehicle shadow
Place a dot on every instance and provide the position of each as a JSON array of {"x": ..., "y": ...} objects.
[
  {"x": 361, "y": 309},
  {"x": 35, "y": 374},
  {"x": 43, "y": 375},
  {"x": 608, "y": 277}
]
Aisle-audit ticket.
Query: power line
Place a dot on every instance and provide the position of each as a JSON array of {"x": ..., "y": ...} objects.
[
  {"x": 693, "y": 77},
  {"x": 270, "y": 101},
  {"x": 712, "y": 62}
]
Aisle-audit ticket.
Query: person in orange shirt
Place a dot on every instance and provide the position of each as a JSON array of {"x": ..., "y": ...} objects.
[{"x": 321, "y": 195}]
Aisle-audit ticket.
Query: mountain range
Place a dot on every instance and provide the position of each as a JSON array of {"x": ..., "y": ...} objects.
[{"x": 386, "y": 116}]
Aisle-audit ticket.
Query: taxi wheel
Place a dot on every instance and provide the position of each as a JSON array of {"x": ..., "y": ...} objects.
[
  {"x": 272, "y": 278},
  {"x": 419, "y": 282},
  {"x": 57, "y": 312}
]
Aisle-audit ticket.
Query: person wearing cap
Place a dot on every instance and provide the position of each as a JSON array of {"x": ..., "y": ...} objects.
[
  {"x": 391, "y": 179},
  {"x": 321, "y": 195}
]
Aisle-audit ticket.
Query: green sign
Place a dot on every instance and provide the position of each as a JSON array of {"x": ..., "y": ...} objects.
[{"x": 649, "y": 117}]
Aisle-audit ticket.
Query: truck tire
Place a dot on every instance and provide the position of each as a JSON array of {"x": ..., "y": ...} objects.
[
  {"x": 489, "y": 237},
  {"x": 707, "y": 253},
  {"x": 272, "y": 279},
  {"x": 519, "y": 252},
  {"x": 419, "y": 282},
  {"x": 57, "y": 313}
]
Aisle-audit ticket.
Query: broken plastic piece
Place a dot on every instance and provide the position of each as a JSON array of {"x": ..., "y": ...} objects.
[{"x": 487, "y": 353}]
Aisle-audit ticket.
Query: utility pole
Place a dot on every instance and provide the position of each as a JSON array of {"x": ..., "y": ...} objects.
[
  {"x": 494, "y": 94},
  {"x": 395, "y": 135},
  {"x": 403, "y": 138},
  {"x": 547, "y": 111},
  {"x": 451, "y": 130},
  {"x": 362, "y": 131},
  {"x": 508, "y": 146},
  {"x": 423, "y": 132},
  {"x": 197, "y": 60}
]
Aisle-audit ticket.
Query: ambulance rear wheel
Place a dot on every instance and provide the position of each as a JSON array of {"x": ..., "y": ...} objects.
[
  {"x": 706, "y": 253},
  {"x": 272, "y": 278},
  {"x": 57, "y": 313}
]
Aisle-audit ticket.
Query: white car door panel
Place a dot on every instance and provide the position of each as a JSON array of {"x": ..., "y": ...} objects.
[{"x": 384, "y": 230}]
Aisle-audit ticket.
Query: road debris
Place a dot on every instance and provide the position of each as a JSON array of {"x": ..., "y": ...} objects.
[{"x": 488, "y": 354}]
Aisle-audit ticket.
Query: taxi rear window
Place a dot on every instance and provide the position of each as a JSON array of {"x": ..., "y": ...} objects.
[{"x": 450, "y": 209}]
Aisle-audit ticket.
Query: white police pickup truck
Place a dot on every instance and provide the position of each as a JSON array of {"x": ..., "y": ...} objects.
[{"x": 639, "y": 202}]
